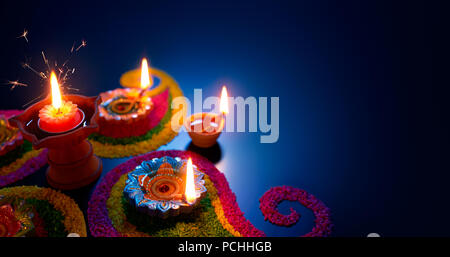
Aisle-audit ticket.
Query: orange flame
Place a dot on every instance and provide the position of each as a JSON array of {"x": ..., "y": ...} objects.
[
  {"x": 224, "y": 100},
  {"x": 56, "y": 94},
  {"x": 145, "y": 75},
  {"x": 190, "y": 185}
]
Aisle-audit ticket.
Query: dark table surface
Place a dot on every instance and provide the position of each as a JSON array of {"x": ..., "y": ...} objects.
[{"x": 361, "y": 121}]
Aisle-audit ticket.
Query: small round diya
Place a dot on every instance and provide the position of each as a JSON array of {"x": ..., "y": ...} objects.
[
  {"x": 114, "y": 141},
  {"x": 157, "y": 187},
  {"x": 124, "y": 112},
  {"x": 204, "y": 128},
  {"x": 10, "y": 137},
  {"x": 124, "y": 109}
]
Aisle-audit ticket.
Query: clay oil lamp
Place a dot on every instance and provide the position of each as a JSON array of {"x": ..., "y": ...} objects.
[
  {"x": 165, "y": 187},
  {"x": 62, "y": 124},
  {"x": 204, "y": 128},
  {"x": 124, "y": 112}
]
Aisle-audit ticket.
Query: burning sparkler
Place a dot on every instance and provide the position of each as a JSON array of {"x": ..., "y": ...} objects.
[
  {"x": 42, "y": 75},
  {"x": 64, "y": 71},
  {"x": 15, "y": 83}
]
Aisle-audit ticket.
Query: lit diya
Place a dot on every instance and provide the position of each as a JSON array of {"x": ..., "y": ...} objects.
[
  {"x": 165, "y": 187},
  {"x": 60, "y": 116},
  {"x": 124, "y": 112},
  {"x": 204, "y": 128},
  {"x": 62, "y": 124}
]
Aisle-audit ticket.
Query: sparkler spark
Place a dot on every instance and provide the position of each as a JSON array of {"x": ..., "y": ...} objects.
[
  {"x": 71, "y": 88},
  {"x": 15, "y": 84},
  {"x": 24, "y": 35},
  {"x": 66, "y": 74},
  {"x": 45, "y": 60},
  {"x": 40, "y": 74},
  {"x": 83, "y": 44},
  {"x": 42, "y": 95}
]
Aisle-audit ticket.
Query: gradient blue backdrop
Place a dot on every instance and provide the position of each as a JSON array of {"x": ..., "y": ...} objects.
[{"x": 361, "y": 122}]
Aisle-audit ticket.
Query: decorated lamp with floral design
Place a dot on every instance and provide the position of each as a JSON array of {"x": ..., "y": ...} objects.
[
  {"x": 165, "y": 186},
  {"x": 124, "y": 112}
]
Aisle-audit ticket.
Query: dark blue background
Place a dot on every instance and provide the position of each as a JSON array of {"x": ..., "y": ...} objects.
[{"x": 362, "y": 123}]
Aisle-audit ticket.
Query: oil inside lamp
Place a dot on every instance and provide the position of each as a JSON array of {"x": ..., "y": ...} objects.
[
  {"x": 59, "y": 116},
  {"x": 211, "y": 122},
  {"x": 205, "y": 128}
]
